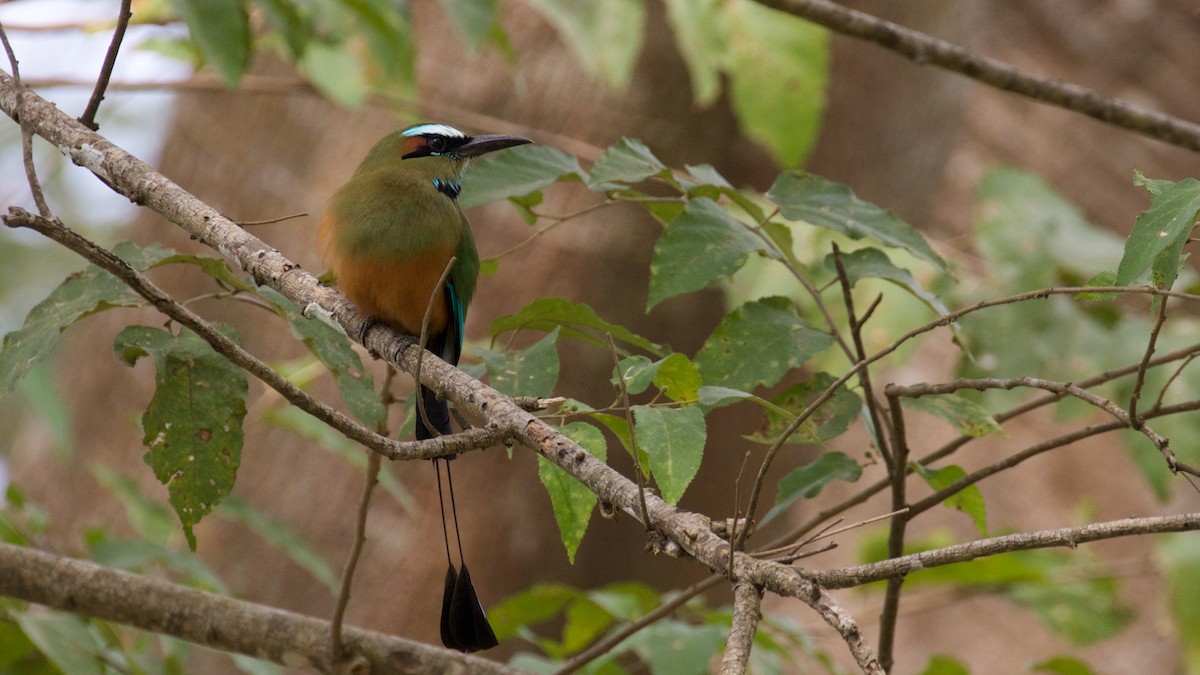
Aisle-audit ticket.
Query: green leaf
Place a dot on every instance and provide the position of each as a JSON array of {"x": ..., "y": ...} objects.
[
  {"x": 1179, "y": 554},
  {"x": 778, "y": 71},
  {"x": 278, "y": 534},
  {"x": 824, "y": 203},
  {"x": 829, "y": 421},
  {"x": 193, "y": 425},
  {"x": 68, "y": 641},
  {"x": 674, "y": 375},
  {"x": 940, "y": 664},
  {"x": 532, "y": 371},
  {"x": 575, "y": 320},
  {"x": 539, "y": 603},
  {"x": 677, "y": 648},
  {"x": 1084, "y": 611},
  {"x": 385, "y": 26},
  {"x": 673, "y": 440},
  {"x": 871, "y": 263},
  {"x": 758, "y": 343},
  {"x": 334, "y": 71},
  {"x": 703, "y": 232},
  {"x": 149, "y": 518},
  {"x": 572, "y": 501},
  {"x": 711, "y": 397},
  {"x": 1159, "y": 234},
  {"x": 516, "y": 172},
  {"x": 221, "y": 29},
  {"x": 969, "y": 500},
  {"x": 701, "y": 34},
  {"x": 474, "y": 19},
  {"x": 604, "y": 36},
  {"x": 1062, "y": 665},
  {"x": 808, "y": 481},
  {"x": 80, "y": 295},
  {"x": 334, "y": 350},
  {"x": 968, "y": 417},
  {"x": 285, "y": 19},
  {"x": 628, "y": 161}
]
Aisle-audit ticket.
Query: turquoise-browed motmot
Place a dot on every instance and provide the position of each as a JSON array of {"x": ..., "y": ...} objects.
[{"x": 388, "y": 235}]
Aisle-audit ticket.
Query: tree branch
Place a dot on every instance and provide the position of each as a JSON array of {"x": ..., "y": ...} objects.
[
  {"x": 1070, "y": 537},
  {"x": 217, "y": 621},
  {"x": 88, "y": 118},
  {"x": 747, "y": 611},
  {"x": 927, "y": 50}
]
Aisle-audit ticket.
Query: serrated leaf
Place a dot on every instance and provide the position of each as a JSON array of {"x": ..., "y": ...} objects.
[
  {"x": 474, "y": 19},
  {"x": 637, "y": 372},
  {"x": 216, "y": 268},
  {"x": 516, "y": 172},
  {"x": 628, "y": 161},
  {"x": 221, "y": 29},
  {"x": 832, "y": 419},
  {"x": 967, "y": 416},
  {"x": 81, "y": 294},
  {"x": 778, "y": 71},
  {"x": 703, "y": 232},
  {"x": 576, "y": 320},
  {"x": 810, "y": 198},
  {"x": 1159, "y": 234},
  {"x": 334, "y": 350},
  {"x": 673, "y": 440},
  {"x": 193, "y": 425},
  {"x": 808, "y": 481},
  {"x": 701, "y": 34},
  {"x": 532, "y": 371},
  {"x": 572, "y": 501},
  {"x": 758, "y": 343},
  {"x": 604, "y": 36},
  {"x": 969, "y": 500}
]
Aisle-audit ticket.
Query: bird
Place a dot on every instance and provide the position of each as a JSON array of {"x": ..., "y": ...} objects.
[{"x": 388, "y": 236}]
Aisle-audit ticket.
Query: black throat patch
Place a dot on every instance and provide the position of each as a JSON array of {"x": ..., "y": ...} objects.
[{"x": 449, "y": 188}]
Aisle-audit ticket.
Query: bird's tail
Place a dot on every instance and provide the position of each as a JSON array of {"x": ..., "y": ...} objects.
[
  {"x": 438, "y": 412},
  {"x": 464, "y": 624}
]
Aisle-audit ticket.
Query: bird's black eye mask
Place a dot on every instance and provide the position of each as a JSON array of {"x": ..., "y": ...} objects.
[{"x": 433, "y": 145}]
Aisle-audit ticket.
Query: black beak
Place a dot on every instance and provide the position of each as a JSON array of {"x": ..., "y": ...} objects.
[{"x": 480, "y": 145}]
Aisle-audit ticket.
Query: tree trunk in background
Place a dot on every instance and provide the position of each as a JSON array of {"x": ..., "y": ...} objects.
[{"x": 910, "y": 138}]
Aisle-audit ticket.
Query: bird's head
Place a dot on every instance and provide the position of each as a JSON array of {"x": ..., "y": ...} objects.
[{"x": 440, "y": 140}]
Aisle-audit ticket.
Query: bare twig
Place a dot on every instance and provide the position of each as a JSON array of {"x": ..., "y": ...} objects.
[
  {"x": 662, "y": 611},
  {"x": 1135, "y": 420},
  {"x": 927, "y": 50},
  {"x": 747, "y": 611},
  {"x": 270, "y": 221},
  {"x": 898, "y": 477},
  {"x": 1069, "y": 537},
  {"x": 633, "y": 443},
  {"x": 35, "y": 186},
  {"x": 337, "y": 646},
  {"x": 860, "y": 354},
  {"x": 88, "y": 118}
]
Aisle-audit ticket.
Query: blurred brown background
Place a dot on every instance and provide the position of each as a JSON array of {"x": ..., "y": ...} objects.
[{"x": 913, "y": 139}]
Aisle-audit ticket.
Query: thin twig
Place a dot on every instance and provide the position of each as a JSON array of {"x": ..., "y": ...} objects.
[
  {"x": 927, "y": 50},
  {"x": 662, "y": 611},
  {"x": 1071, "y": 537},
  {"x": 1135, "y": 420},
  {"x": 337, "y": 647},
  {"x": 898, "y": 475},
  {"x": 637, "y": 454},
  {"x": 35, "y": 186},
  {"x": 860, "y": 354},
  {"x": 88, "y": 118},
  {"x": 270, "y": 221}
]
